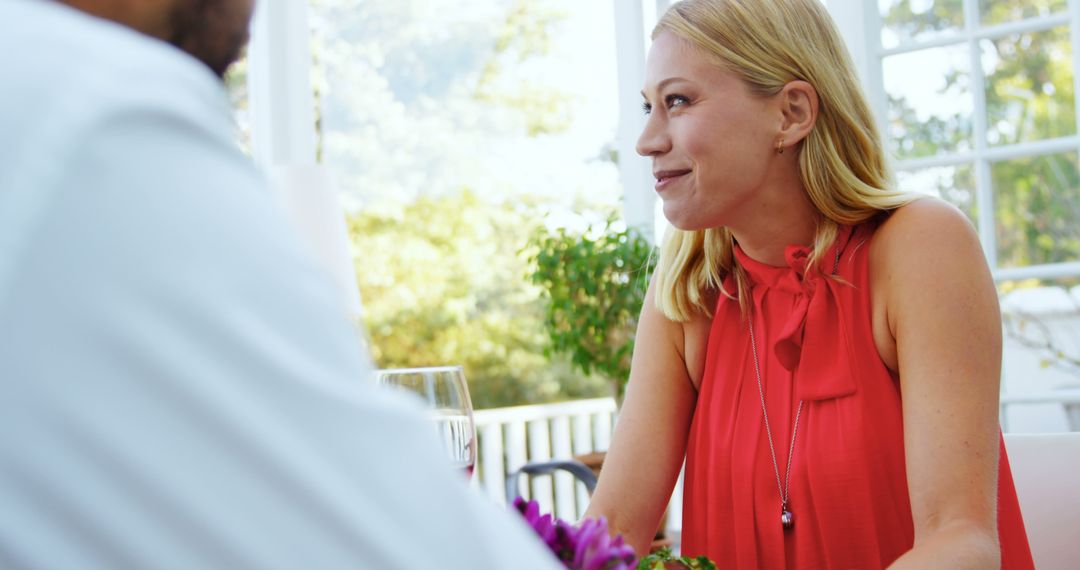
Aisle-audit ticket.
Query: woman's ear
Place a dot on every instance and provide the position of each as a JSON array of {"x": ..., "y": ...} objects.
[{"x": 799, "y": 108}]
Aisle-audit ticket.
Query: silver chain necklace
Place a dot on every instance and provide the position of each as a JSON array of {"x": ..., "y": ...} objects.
[{"x": 787, "y": 519}]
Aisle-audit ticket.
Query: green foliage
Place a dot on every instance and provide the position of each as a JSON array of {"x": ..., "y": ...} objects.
[
  {"x": 595, "y": 283},
  {"x": 664, "y": 559},
  {"x": 1038, "y": 209},
  {"x": 443, "y": 282},
  {"x": 999, "y": 11},
  {"x": 1029, "y": 94},
  {"x": 902, "y": 17},
  {"x": 416, "y": 102},
  {"x": 236, "y": 86}
]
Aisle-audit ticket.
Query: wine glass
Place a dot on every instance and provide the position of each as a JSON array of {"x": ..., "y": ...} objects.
[{"x": 444, "y": 390}]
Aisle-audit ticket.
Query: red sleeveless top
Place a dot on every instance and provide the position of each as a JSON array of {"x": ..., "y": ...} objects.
[{"x": 848, "y": 486}]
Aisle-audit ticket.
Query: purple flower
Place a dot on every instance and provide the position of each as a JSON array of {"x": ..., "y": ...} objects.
[
  {"x": 544, "y": 526},
  {"x": 589, "y": 546}
]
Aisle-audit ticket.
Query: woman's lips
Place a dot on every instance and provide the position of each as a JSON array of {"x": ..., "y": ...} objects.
[{"x": 665, "y": 178}]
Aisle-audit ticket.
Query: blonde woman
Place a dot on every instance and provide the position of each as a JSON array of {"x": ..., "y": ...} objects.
[{"x": 823, "y": 350}]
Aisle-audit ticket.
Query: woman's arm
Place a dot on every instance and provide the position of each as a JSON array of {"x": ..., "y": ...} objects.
[
  {"x": 941, "y": 308},
  {"x": 649, "y": 442}
]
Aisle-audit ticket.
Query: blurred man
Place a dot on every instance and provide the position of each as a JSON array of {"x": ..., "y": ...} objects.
[{"x": 178, "y": 387}]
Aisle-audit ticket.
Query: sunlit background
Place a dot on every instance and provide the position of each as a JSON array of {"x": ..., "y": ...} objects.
[{"x": 460, "y": 130}]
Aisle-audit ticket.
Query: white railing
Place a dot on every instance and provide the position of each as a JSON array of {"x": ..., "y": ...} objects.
[{"x": 512, "y": 437}]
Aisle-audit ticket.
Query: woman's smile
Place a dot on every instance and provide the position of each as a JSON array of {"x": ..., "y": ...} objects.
[{"x": 665, "y": 178}]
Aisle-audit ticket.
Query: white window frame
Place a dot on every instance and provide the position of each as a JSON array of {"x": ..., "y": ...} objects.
[
  {"x": 279, "y": 85},
  {"x": 860, "y": 23}
]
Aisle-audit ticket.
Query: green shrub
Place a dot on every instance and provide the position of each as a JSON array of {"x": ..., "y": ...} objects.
[{"x": 594, "y": 283}]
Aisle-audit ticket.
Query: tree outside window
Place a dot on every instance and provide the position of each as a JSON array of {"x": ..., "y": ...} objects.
[{"x": 1007, "y": 110}]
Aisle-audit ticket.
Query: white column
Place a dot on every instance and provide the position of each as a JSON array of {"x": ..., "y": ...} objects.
[
  {"x": 635, "y": 172},
  {"x": 859, "y": 23},
  {"x": 661, "y": 7},
  {"x": 283, "y": 139},
  {"x": 281, "y": 99}
]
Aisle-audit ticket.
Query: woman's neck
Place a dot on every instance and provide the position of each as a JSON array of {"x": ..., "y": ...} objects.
[{"x": 765, "y": 236}]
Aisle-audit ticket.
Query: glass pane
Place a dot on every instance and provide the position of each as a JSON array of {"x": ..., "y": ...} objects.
[
  {"x": 502, "y": 97},
  {"x": 1029, "y": 87},
  {"x": 954, "y": 184},
  {"x": 458, "y": 130},
  {"x": 1037, "y": 201},
  {"x": 930, "y": 102},
  {"x": 1000, "y": 11},
  {"x": 905, "y": 21}
]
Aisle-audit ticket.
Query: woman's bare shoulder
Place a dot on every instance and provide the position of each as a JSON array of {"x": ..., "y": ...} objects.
[
  {"x": 926, "y": 253},
  {"x": 926, "y": 230}
]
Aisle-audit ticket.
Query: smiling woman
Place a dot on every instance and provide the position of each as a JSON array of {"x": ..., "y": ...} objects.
[
  {"x": 712, "y": 139},
  {"x": 798, "y": 352}
]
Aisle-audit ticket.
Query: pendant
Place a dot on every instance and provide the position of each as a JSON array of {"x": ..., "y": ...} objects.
[{"x": 787, "y": 519}]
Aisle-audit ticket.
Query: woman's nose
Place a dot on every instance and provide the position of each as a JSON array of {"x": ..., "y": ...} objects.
[{"x": 654, "y": 139}]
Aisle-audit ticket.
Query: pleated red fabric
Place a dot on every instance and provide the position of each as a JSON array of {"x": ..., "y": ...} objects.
[{"x": 848, "y": 487}]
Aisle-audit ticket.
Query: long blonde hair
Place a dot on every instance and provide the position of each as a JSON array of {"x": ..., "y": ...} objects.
[{"x": 769, "y": 43}]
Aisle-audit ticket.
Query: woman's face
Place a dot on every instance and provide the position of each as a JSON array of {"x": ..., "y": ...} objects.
[{"x": 710, "y": 139}]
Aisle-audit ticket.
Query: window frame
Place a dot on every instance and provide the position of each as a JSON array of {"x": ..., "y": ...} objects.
[
  {"x": 859, "y": 22},
  {"x": 281, "y": 101}
]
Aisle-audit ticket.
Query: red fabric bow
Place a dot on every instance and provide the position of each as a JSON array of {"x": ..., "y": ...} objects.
[{"x": 814, "y": 344}]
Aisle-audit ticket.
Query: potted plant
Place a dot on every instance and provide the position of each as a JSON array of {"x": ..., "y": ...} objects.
[{"x": 595, "y": 283}]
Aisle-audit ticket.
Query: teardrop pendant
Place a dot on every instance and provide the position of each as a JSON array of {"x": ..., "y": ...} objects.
[{"x": 787, "y": 519}]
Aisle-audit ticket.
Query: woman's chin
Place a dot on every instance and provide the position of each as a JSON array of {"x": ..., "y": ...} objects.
[{"x": 685, "y": 221}]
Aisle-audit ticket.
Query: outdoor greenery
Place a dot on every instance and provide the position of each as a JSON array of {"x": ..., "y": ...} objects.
[
  {"x": 429, "y": 116},
  {"x": 594, "y": 283},
  {"x": 445, "y": 281},
  {"x": 1029, "y": 92},
  {"x": 421, "y": 109}
]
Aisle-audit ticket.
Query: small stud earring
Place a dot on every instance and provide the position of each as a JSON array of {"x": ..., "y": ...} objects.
[{"x": 780, "y": 147}]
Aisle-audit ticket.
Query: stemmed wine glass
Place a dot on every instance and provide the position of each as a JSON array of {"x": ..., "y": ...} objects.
[{"x": 444, "y": 390}]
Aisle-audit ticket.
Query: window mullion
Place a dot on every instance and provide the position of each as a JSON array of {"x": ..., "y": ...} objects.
[
  {"x": 1037, "y": 24},
  {"x": 1044, "y": 271},
  {"x": 995, "y": 154},
  {"x": 1074, "y": 41},
  {"x": 279, "y": 83},
  {"x": 984, "y": 190},
  {"x": 634, "y": 171},
  {"x": 874, "y": 78},
  {"x": 859, "y": 24}
]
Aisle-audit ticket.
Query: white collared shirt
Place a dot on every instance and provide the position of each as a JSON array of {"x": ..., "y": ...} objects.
[{"x": 179, "y": 387}]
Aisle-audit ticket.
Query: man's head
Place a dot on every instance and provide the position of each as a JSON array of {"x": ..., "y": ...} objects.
[{"x": 213, "y": 31}]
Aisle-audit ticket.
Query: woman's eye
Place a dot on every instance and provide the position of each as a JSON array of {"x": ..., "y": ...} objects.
[
  {"x": 670, "y": 102},
  {"x": 676, "y": 101}
]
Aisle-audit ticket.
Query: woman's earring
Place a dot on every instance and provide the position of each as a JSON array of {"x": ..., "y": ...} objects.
[{"x": 780, "y": 147}]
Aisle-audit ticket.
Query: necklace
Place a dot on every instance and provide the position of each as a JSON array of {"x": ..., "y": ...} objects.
[{"x": 787, "y": 519}]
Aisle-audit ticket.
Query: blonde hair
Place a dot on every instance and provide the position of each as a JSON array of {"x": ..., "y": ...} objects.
[{"x": 769, "y": 43}]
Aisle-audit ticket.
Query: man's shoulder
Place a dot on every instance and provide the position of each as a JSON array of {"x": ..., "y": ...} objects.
[
  {"x": 79, "y": 92},
  {"x": 56, "y": 59}
]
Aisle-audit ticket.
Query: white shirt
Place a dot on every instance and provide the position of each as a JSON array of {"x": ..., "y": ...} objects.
[{"x": 179, "y": 387}]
